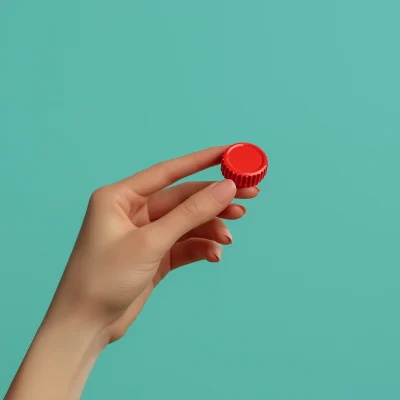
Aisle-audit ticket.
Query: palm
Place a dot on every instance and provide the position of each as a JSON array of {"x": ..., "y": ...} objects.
[
  {"x": 192, "y": 247},
  {"x": 141, "y": 218},
  {"x": 120, "y": 326}
]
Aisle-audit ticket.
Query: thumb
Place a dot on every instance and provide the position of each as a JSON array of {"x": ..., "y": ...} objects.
[{"x": 201, "y": 207}]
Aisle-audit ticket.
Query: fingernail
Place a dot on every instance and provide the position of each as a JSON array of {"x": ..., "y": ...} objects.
[
  {"x": 243, "y": 208},
  {"x": 224, "y": 191},
  {"x": 228, "y": 236},
  {"x": 217, "y": 254}
]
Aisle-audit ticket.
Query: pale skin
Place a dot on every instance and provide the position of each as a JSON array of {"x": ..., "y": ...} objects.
[{"x": 134, "y": 233}]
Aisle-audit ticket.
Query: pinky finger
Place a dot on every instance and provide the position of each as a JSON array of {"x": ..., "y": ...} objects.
[{"x": 193, "y": 250}]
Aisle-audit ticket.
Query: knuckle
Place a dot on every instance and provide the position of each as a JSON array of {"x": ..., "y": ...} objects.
[
  {"x": 191, "y": 207},
  {"x": 100, "y": 195},
  {"x": 166, "y": 174},
  {"x": 159, "y": 173},
  {"x": 117, "y": 333}
]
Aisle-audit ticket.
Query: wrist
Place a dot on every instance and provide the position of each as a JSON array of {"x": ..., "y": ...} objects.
[
  {"x": 67, "y": 319},
  {"x": 60, "y": 357},
  {"x": 75, "y": 331}
]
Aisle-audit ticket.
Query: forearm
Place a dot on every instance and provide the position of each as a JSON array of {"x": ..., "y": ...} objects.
[{"x": 59, "y": 359}]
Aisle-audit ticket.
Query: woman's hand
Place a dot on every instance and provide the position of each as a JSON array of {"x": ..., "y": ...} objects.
[{"x": 134, "y": 233}]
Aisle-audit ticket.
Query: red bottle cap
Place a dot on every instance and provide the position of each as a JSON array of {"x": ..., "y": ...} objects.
[{"x": 244, "y": 163}]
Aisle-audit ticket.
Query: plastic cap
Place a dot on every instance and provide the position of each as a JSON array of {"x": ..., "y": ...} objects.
[{"x": 244, "y": 163}]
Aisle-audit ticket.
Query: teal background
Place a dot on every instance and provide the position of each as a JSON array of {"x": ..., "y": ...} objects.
[{"x": 305, "y": 303}]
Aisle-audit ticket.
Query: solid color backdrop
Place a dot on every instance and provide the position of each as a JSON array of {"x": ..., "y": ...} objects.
[{"x": 305, "y": 303}]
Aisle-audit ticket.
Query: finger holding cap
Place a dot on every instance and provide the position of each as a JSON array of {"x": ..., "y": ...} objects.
[{"x": 166, "y": 173}]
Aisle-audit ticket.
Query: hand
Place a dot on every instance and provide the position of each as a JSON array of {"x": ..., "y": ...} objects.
[{"x": 136, "y": 231}]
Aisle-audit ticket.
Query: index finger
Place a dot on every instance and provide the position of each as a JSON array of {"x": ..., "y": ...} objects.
[{"x": 166, "y": 173}]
